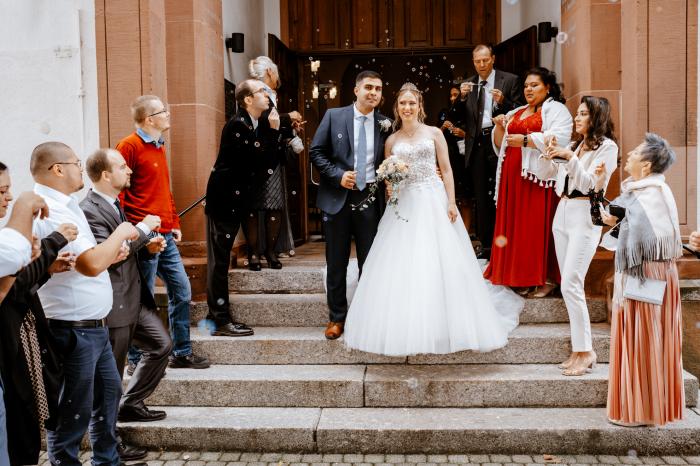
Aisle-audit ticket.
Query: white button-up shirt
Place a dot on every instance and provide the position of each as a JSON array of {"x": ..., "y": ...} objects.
[
  {"x": 369, "y": 133},
  {"x": 71, "y": 295},
  {"x": 15, "y": 251},
  {"x": 488, "y": 99}
]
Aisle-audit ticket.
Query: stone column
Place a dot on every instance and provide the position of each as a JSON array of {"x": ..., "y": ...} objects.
[{"x": 195, "y": 85}]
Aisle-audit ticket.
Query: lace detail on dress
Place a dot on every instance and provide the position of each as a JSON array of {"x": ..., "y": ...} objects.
[{"x": 420, "y": 157}]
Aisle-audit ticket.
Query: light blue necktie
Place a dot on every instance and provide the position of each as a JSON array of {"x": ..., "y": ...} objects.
[{"x": 361, "y": 156}]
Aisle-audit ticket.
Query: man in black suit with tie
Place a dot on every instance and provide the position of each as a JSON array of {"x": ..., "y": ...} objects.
[
  {"x": 133, "y": 317},
  {"x": 487, "y": 94},
  {"x": 347, "y": 149}
]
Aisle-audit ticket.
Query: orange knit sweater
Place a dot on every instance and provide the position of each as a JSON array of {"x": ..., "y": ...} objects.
[{"x": 150, "y": 183}]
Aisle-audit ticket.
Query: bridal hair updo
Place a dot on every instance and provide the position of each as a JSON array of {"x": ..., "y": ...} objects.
[{"x": 411, "y": 89}]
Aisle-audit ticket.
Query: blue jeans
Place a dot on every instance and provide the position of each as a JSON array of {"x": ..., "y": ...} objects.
[
  {"x": 89, "y": 398},
  {"x": 4, "y": 457},
  {"x": 168, "y": 266}
]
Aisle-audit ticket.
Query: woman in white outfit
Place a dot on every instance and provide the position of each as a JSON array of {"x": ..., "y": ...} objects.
[
  {"x": 421, "y": 289},
  {"x": 575, "y": 236}
]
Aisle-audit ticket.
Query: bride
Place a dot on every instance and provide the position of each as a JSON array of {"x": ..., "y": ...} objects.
[{"x": 421, "y": 289}]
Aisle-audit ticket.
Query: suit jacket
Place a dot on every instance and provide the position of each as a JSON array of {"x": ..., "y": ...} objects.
[
  {"x": 129, "y": 288},
  {"x": 512, "y": 90},
  {"x": 24, "y": 436},
  {"x": 246, "y": 159},
  {"x": 332, "y": 153}
]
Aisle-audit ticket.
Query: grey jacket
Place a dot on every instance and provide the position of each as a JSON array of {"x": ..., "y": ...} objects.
[{"x": 129, "y": 289}]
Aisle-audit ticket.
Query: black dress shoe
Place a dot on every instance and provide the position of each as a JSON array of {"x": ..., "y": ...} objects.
[
  {"x": 130, "y": 369},
  {"x": 254, "y": 263},
  {"x": 191, "y": 361},
  {"x": 272, "y": 261},
  {"x": 131, "y": 452},
  {"x": 142, "y": 414},
  {"x": 232, "y": 330}
]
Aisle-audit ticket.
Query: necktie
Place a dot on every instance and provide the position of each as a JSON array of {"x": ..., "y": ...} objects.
[
  {"x": 117, "y": 204},
  {"x": 361, "y": 156},
  {"x": 482, "y": 100}
]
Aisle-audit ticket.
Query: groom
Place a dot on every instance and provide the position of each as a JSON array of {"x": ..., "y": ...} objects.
[{"x": 347, "y": 149}]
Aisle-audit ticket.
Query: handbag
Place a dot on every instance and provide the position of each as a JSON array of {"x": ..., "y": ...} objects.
[{"x": 650, "y": 291}]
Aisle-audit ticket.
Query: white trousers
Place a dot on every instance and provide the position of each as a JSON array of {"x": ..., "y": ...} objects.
[{"x": 575, "y": 240}]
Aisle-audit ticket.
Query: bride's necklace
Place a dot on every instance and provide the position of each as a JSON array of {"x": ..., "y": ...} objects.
[{"x": 410, "y": 135}]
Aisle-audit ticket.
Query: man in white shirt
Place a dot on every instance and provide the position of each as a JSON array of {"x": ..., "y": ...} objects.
[{"x": 76, "y": 304}]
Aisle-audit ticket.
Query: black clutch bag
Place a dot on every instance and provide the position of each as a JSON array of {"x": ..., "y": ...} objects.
[{"x": 596, "y": 198}]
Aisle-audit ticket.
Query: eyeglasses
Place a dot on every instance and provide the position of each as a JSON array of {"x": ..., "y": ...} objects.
[
  {"x": 262, "y": 89},
  {"x": 165, "y": 110},
  {"x": 78, "y": 163}
]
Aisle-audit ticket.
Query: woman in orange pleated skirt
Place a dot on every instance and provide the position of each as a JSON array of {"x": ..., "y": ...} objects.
[{"x": 646, "y": 370}]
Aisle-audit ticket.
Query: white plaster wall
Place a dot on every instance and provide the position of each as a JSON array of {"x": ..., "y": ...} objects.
[
  {"x": 48, "y": 80},
  {"x": 248, "y": 17},
  {"x": 517, "y": 15}
]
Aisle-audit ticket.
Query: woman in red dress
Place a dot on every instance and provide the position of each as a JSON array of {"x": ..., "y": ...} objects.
[{"x": 523, "y": 253}]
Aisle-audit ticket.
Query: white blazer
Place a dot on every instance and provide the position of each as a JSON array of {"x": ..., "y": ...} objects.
[
  {"x": 580, "y": 169},
  {"x": 556, "y": 121}
]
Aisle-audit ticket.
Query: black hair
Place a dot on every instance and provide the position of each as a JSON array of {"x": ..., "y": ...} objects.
[{"x": 549, "y": 78}]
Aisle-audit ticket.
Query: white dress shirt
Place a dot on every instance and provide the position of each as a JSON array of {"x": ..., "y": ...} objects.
[
  {"x": 15, "y": 251},
  {"x": 369, "y": 132},
  {"x": 488, "y": 99},
  {"x": 71, "y": 295},
  {"x": 111, "y": 200}
]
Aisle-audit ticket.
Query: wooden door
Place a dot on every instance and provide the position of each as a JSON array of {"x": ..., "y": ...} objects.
[
  {"x": 287, "y": 100},
  {"x": 519, "y": 53}
]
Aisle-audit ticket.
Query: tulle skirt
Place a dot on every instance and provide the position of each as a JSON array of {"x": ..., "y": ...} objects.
[{"x": 422, "y": 290}]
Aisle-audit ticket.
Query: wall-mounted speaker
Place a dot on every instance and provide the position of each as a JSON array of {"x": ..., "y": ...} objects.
[
  {"x": 235, "y": 42},
  {"x": 545, "y": 32}
]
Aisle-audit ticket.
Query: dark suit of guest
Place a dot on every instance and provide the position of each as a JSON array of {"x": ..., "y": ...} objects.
[
  {"x": 247, "y": 157},
  {"x": 24, "y": 431},
  {"x": 456, "y": 114},
  {"x": 481, "y": 161},
  {"x": 333, "y": 153},
  {"x": 133, "y": 318}
]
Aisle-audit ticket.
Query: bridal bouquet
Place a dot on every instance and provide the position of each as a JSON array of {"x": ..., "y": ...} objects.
[{"x": 393, "y": 171}]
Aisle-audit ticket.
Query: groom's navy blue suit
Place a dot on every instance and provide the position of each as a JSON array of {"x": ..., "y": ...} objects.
[{"x": 333, "y": 153}]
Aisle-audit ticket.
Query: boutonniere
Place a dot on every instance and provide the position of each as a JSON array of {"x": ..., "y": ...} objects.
[{"x": 385, "y": 125}]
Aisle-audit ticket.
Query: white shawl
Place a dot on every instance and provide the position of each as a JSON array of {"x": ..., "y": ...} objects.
[{"x": 556, "y": 121}]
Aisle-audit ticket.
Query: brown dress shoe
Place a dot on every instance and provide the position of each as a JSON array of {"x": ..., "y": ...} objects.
[{"x": 334, "y": 330}]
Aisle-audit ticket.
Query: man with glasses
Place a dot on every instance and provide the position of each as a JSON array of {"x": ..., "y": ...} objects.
[
  {"x": 487, "y": 94},
  {"x": 76, "y": 304},
  {"x": 149, "y": 194}
]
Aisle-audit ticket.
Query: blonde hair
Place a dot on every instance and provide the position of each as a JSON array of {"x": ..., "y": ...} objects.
[
  {"x": 257, "y": 67},
  {"x": 411, "y": 89},
  {"x": 142, "y": 107}
]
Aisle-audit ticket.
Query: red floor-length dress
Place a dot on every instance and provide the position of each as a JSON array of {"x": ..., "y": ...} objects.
[{"x": 523, "y": 245}]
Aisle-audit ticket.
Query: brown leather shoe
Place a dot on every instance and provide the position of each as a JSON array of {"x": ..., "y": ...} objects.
[{"x": 334, "y": 330}]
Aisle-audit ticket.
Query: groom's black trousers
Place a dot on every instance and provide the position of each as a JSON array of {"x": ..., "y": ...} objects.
[{"x": 340, "y": 228}]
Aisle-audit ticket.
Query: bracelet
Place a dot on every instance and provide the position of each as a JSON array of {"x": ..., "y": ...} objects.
[{"x": 525, "y": 141}]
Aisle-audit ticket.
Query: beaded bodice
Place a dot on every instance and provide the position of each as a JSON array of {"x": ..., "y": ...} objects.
[{"x": 420, "y": 158}]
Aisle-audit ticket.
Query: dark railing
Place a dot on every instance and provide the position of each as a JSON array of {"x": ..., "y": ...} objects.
[{"x": 195, "y": 204}]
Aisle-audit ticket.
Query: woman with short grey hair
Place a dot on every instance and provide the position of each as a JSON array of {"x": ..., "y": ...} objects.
[{"x": 646, "y": 370}]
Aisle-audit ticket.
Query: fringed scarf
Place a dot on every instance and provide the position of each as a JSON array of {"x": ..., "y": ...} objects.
[{"x": 650, "y": 230}]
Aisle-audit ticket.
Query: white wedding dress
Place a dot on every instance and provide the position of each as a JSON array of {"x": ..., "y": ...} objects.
[{"x": 422, "y": 289}]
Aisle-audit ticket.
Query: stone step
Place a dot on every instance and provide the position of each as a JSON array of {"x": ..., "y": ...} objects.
[
  {"x": 338, "y": 386},
  {"x": 307, "y": 310},
  {"x": 528, "y": 344},
  {"x": 410, "y": 430},
  {"x": 290, "y": 279}
]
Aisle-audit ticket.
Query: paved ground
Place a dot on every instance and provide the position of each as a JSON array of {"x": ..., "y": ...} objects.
[{"x": 285, "y": 459}]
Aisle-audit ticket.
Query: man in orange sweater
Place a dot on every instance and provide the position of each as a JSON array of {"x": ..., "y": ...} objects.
[{"x": 144, "y": 152}]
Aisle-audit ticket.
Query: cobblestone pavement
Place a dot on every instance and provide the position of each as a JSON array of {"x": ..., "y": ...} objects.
[{"x": 295, "y": 459}]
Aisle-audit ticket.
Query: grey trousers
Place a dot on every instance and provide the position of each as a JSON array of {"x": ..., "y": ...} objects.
[{"x": 150, "y": 336}]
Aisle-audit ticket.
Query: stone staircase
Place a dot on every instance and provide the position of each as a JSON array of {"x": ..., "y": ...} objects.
[{"x": 289, "y": 389}]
